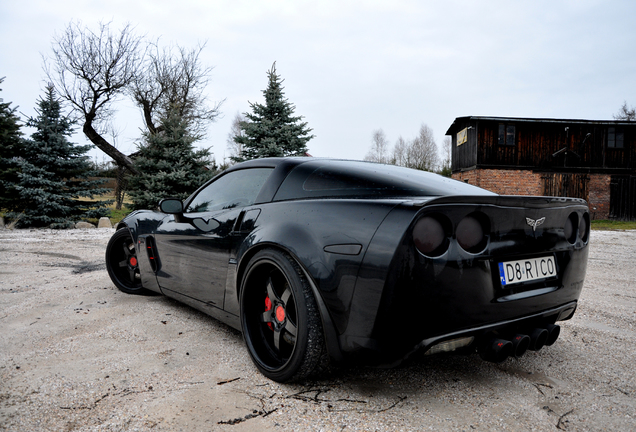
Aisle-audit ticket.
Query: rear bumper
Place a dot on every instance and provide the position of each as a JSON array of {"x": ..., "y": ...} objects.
[
  {"x": 390, "y": 354},
  {"x": 504, "y": 329}
]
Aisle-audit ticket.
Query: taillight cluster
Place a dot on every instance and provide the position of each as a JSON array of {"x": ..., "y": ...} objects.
[
  {"x": 471, "y": 233},
  {"x": 577, "y": 227},
  {"x": 432, "y": 234}
]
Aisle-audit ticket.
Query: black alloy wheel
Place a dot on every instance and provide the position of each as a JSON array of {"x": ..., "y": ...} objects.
[
  {"x": 280, "y": 319},
  {"x": 122, "y": 264}
]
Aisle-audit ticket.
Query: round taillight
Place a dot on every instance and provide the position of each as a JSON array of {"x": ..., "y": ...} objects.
[
  {"x": 470, "y": 234},
  {"x": 430, "y": 237},
  {"x": 584, "y": 228},
  {"x": 570, "y": 228}
]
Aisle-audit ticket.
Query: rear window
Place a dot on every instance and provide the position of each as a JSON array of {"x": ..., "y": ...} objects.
[{"x": 362, "y": 179}]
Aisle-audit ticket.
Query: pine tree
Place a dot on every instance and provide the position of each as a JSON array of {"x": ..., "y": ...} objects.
[
  {"x": 271, "y": 130},
  {"x": 168, "y": 165},
  {"x": 54, "y": 173},
  {"x": 11, "y": 145}
]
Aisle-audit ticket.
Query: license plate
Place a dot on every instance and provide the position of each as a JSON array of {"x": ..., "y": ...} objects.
[{"x": 512, "y": 272}]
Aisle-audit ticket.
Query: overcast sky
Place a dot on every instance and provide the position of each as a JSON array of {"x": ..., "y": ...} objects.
[{"x": 351, "y": 67}]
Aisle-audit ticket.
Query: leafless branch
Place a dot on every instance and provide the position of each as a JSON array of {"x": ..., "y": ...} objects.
[
  {"x": 91, "y": 70},
  {"x": 173, "y": 80},
  {"x": 626, "y": 113}
]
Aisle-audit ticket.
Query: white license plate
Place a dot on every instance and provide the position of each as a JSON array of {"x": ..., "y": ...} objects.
[{"x": 512, "y": 272}]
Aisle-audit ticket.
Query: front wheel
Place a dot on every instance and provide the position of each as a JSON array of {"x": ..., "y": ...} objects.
[
  {"x": 122, "y": 264},
  {"x": 280, "y": 319}
]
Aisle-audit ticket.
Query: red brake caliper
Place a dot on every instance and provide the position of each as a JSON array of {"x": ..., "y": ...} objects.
[{"x": 268, "y": 307}]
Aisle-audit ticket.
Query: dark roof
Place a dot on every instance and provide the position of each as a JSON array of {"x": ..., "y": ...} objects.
[{"x": 537, "y": 120}]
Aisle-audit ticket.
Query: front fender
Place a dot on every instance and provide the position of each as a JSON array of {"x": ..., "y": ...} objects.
[{"x": 143, "y": 224}]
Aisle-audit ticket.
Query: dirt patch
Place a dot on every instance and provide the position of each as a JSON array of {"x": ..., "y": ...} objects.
[{"x": 78, "y": 355}]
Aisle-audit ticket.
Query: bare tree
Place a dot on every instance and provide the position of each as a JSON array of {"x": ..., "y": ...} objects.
[
  {"x": 419, "y": 153},
  {"x": 379, "y": 151},
  {"x": 422, "y": 151},
  {"x": 91, "y": 70},
  {"x": 235, "y": 148},
  {"x": 626, "y": 113},
  {"x": 400, "y": 152},
  {"x": 447, "y": 149},
  {"x": 173, "y": 80}
]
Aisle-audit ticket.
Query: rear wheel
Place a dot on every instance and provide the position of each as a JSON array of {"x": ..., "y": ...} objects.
[
  {"x": 122, "y": 264},
  {"x": 280, "y": 319}
]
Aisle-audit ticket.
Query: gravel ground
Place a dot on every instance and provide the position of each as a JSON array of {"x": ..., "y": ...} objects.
[{"x": 78, "y": 355}]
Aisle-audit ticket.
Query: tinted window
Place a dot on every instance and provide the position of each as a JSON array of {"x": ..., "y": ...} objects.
[
  {"x": 615, "y": 138},
  {"x": 349, "y": 178},
  {"x": 506, "y": 135},
  {"x": 235, "y": 189},
  {"x": 325, "y": 179}
]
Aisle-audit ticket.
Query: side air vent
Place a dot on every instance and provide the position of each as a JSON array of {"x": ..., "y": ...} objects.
[{"x": 151, "y": 250}]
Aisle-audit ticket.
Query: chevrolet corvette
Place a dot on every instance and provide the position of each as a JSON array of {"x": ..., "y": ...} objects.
[{"x": 320, "y": 261}]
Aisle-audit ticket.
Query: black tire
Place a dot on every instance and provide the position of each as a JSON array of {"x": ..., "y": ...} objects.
[
  {"x": 280, "y": 319},
  {"x": 121, "y": 263}
]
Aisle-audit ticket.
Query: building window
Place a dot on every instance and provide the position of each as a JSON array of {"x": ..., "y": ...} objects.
[
  {"x": 506, "y": 134},
  {"x": 615, "y": 137}
]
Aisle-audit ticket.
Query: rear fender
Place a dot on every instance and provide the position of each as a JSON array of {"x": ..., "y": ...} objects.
[
  {"x": 329, "y": 328},
  {"x": 328, "y": 247},
  {"x": 328, "y": 238}
]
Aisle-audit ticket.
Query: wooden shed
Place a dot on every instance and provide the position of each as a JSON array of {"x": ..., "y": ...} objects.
[{"x": 590, "y": 159}]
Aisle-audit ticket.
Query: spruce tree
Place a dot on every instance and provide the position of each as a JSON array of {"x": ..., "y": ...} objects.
[
  {"x": 54, "y": 173},
  {"x": 168, "y": 164},
  {"x": 11, "y": 145},
  {"x": 271, "y": 130}
]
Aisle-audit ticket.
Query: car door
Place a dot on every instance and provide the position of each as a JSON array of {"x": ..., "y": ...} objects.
[{"x": 194, "y": 247}]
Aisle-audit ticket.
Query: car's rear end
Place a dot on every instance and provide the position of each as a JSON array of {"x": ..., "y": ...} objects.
[{"x": 491, "y": 273}]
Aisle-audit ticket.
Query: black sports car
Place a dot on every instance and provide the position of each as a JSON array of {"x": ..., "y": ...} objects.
[{"x": 319, "y": 260}]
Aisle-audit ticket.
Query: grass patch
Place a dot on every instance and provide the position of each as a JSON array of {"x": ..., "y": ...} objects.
[
  {"x": 605, "y": 224},
  {"x": 115, "y": 215}
]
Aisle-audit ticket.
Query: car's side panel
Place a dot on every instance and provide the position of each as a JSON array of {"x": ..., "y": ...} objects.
[
  {"x": 327, "y": 237},
  {"x": 207, "y": 308},
  {"x": 370, "y": 284},
  {"x": 195, "y": 251}
]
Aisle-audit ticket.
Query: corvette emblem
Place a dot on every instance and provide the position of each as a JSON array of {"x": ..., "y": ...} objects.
[{"x": 534, "y": 223}]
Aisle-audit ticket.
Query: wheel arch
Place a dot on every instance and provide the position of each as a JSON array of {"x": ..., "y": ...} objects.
[
  {"x": 131, "y": 229},
  {"x": 329, "y": 330},
  {"x": 122, "y": 225}
]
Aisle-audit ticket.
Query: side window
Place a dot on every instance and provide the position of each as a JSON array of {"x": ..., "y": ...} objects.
[
  {"x": 332, "y": 180},
  {"x": 235, "y": 189},
  {"x": 615, "y": 137},
  {"x": 506, "y": 134}
]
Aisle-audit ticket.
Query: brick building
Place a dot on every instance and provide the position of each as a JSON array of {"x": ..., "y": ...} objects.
[{"x": 590, "y": 159}]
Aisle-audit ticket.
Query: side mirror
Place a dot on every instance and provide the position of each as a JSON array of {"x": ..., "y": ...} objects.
[{"x": 171, "y": 206}]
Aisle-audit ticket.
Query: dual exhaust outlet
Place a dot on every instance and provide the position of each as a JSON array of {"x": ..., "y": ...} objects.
[{"x": 497, "y": 350}]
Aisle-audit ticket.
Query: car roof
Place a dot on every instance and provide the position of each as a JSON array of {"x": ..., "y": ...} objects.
[{"x": 310, "y": 177}]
